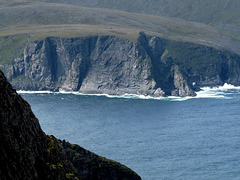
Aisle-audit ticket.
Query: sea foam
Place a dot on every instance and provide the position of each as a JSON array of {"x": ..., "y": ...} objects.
[
  {"x": 216, "y": 92},
  {"x": 34, "y": 92},
  {"x": 205, "y": 92}
]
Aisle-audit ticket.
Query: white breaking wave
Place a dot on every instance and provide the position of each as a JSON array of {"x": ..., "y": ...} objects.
[
  {"x": 34, "y": 92},
  {"x": 224, "y": 87},
  {"x": 206, "y": 92},
  {"x": 126, "y": 96},
  {"x": 216, "y": 92}
]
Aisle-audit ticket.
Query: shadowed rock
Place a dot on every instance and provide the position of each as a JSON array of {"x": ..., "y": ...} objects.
[{"x": 28, "y": 153}]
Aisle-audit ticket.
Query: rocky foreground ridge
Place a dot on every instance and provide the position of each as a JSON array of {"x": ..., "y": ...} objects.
[
  {"x": 26, "y": 152},
  {"x": 106, "y": 64}
]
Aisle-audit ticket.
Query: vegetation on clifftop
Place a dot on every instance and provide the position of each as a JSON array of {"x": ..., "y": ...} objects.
[{"x": 11, "y": 47}]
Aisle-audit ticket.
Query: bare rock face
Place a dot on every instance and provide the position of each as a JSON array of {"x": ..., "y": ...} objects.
[
  {"x": 93, "y": 65},
  {"x": 181, "y": 85},
  {"x": 28, "y": 153},
  {"x": 111, "y": 65},
  {"x": 89, "y": 65}
]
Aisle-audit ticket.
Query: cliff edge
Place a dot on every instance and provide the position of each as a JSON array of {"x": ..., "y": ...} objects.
[{"x": 28, "y": 153}]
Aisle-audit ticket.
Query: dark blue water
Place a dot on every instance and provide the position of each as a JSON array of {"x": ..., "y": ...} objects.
[{"x": 159, "y": 139}]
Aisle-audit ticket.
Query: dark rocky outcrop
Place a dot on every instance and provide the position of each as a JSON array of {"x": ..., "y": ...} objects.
[
  {"x": 153, "y": 66},
  {"x": 92, "y": 166},
  {"x": 28, "y": 153}
]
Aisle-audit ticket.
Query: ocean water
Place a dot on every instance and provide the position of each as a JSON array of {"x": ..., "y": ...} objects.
[{"x": 165, "y": 138}]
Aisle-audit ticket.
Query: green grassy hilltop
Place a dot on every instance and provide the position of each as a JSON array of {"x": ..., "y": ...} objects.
[
  {"x": 218, "y": 13},
  {"x": 40, "y": 19}
]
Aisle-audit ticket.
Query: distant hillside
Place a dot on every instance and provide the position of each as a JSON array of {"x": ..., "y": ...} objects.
[
  {"x": 63, "y": 20},
  {"x": 219, "y": 13}
]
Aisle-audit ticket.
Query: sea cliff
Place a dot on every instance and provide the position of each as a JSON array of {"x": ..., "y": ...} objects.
[{"x": 151, "y": 66}]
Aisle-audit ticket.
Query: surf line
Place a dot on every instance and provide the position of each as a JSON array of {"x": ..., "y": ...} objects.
[{"x": 205, "y": 92}]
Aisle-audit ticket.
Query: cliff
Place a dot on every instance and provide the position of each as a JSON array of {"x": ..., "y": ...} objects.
[
  {"x": 106, "y": 64},
  {"x": 28, "y": 153}
]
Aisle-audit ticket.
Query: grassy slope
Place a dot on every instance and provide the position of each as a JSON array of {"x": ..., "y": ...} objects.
[
  {"x": 69, "y": 20},
  {"x": 54, "y": 19},
  {"x": 11, "y": 47},
  {"x": 219, "y": 13}
]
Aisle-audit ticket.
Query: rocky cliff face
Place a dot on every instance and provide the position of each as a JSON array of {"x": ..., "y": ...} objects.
[
  {"x": 28, "y": 153},
  {"x": 197, "y": 65},
  {"x": 89, "y": 65},
  {"x": 152, "y": 66}
]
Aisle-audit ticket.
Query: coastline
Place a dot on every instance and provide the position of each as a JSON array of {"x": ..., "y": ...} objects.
[{"x": 205, "y": 92}]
